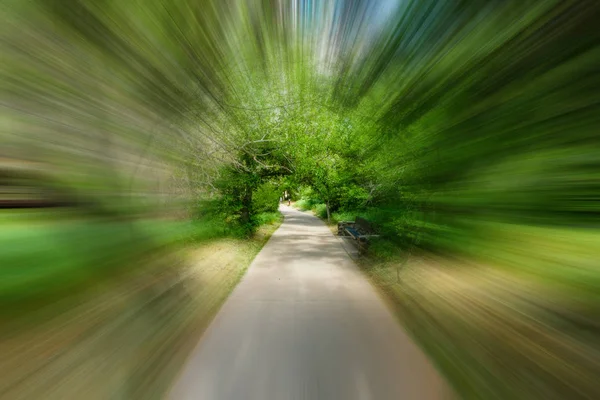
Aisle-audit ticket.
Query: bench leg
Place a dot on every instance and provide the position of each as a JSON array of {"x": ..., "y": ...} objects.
[{"x": 363, "y": 246}]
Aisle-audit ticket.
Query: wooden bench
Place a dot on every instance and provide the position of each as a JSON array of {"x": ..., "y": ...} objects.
[{"x": 360, "y": 230}]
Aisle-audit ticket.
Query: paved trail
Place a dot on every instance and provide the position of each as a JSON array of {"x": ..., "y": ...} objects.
[{"x": 304, "y": 323}]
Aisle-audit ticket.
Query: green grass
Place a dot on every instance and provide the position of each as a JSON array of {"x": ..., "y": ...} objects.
[
  {"x": 560, "y": 257},
  {"x": 131, "y": 335},
  {"x": 45, "y": 255},
  {"x": 513, "y": 314}
]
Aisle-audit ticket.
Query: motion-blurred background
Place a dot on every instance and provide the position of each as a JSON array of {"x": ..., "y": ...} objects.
[{"x": 144, "y": 146}]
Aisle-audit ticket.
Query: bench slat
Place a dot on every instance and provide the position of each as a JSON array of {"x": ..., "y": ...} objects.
[{"x": 353, "y": 232}]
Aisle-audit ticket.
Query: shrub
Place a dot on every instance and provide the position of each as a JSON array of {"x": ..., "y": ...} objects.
[
  {"x": 306, "y": 192},
  {"x": 267, "y": 218},
  {"x": 308, "y": 203},
  {"x": 303, "y": 204},
  {"x": 266, "y": 198},
  {"x": 342, "y": 216},
  {"x": 353, "y": 197},
  {"x": 320, "y": 210}
]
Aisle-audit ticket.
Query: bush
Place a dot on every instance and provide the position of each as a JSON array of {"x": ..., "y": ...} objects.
[
  {"x": 306, "y": 192},
  {"x": 320, "y": 210},
  {"x": 308, "y": 202},
  {"x": 303, "y": 204},
  {"x": 217, "y": 217},
  {"x": 265, "y": 199},
  {"x": 342, "y": 216},
  {"x": 352, "y": 197},
  {"x": 267, "y": 218}
]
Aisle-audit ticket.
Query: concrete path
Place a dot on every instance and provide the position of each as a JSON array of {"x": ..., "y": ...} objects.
[{"x": 305, "y": 323}]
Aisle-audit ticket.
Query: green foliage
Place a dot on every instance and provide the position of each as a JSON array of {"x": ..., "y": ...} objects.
[
  {"x": 320, "y": 210},
  {"x": 352, "y": 196},
  {"x": 464, "y": 124},
  {"x": 342, "y": 215},
  {"x": 304, "y": 204},
  {"x": 307, "y": 193},
  {"x": 267, "y": 218},
  {"x": 309, "y": 199},
  {"x": 266, "y": 198}
]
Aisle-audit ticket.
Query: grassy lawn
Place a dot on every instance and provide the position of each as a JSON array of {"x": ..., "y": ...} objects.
[
  {"x": 125, "y": 337},
  {"x": 44, "y": 255},
  {"x": 515, "y": 319}
]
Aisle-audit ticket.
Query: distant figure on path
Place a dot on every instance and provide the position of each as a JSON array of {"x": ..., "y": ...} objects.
[{"x": 288, "y": 197}]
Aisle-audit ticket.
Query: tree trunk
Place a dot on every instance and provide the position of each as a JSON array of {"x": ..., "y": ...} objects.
[
  {"x": 246, "y": 205},
  {"x": 328, "y": 213}
]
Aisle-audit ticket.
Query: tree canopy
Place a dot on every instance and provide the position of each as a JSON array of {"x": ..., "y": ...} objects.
[{"x": 455, "y": 109}]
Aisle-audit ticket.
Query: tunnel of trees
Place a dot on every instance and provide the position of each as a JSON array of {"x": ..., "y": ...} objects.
[
  {"x": 424, "y": 115},
  {"x": 436, "y": 120},
  {"x": 456, "y": 127}
]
